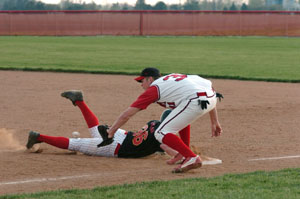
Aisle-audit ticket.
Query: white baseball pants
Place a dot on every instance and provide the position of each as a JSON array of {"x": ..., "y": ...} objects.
[
  {"x": 89, "y": 146},
  {"x": 184, "y": 114}
]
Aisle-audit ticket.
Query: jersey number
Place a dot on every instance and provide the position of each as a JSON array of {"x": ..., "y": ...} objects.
[
  {"x": 167, "y": 104},
  {"x": 139, "y": 137},
  {"x": 177, "y": 77}
]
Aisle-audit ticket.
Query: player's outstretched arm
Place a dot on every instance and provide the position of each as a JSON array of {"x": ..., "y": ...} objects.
[
  {"x": 216, "y": 128},
  {"x": 122, "y": 119}
]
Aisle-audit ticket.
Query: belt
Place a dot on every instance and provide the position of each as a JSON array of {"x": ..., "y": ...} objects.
[
  {"x": 117, "y": 149},
  {"x": 199, "y": 94}
]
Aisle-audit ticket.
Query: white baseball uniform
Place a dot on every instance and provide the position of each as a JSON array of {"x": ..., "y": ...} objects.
[
  {"x": 182, "y": 94},
  {"x": 89, "y": 146}
]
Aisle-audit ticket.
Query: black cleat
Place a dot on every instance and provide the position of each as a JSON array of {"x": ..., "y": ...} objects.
[
  {"x": 73, "y": 95},
  {"x": 32, "y": 139}
]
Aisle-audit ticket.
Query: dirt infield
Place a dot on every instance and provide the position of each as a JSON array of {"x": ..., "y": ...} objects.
[{"x": 260, "y": 121}]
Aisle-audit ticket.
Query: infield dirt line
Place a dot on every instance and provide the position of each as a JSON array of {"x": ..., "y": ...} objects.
[
  {"x": 42, "y": 180},
  {"x": 275, "y": 158},
  {"x": 108, "y": 174},
  {"x": 62, "y": 178},
  {"x": 212, "y": 162}
]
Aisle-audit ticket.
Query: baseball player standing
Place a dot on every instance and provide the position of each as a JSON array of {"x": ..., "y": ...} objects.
[{"x": 189, "y": 97}]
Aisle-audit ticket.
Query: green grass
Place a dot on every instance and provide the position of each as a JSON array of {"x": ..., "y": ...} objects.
[
  {"x": 254, "y": 58},
  {"x": 273, "y": 185}
]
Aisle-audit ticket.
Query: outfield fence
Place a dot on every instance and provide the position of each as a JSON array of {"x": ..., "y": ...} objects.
[{"x": 89, "y": 23}]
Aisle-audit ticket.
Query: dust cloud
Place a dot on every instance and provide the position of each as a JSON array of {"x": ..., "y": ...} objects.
[{"x": 8, "y": 142}]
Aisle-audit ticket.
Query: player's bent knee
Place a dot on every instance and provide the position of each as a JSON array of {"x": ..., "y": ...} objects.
[{"x": 159, "y": 136}]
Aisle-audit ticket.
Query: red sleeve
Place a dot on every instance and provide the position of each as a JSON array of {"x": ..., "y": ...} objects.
[{"x": 146, "y": 98}]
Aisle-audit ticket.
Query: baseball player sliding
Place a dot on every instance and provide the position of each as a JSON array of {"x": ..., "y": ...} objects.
[
  {"x": 125, "y": 144},
  {"x": 190, "y": 97}
]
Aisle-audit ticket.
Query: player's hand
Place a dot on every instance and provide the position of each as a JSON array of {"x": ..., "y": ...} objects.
[
  {"x": 110, "y": 135},
  {"x": 216, "y": 130}
]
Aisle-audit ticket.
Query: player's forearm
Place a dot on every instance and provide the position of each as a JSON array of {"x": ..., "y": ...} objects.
[
  {"x": 216, "y": 128},
  {"x": 122, "y": 119},
  {"x": 116, "y": 125},
  {"x": 214, "y": 116}
]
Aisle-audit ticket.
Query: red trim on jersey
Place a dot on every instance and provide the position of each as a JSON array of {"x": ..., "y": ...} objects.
[
  {"x": 117, "y": 149},
  {"x": 205, "y": 94},
  {"x": 145, "y": 99}
]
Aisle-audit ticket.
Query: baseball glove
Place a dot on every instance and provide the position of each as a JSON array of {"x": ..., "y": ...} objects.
[
  {"x": 220, "y": 96},
  {"x": 103, "y": 132}
]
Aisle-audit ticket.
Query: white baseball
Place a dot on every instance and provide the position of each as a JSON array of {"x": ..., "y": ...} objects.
[{"x": 76, "y": 134}]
